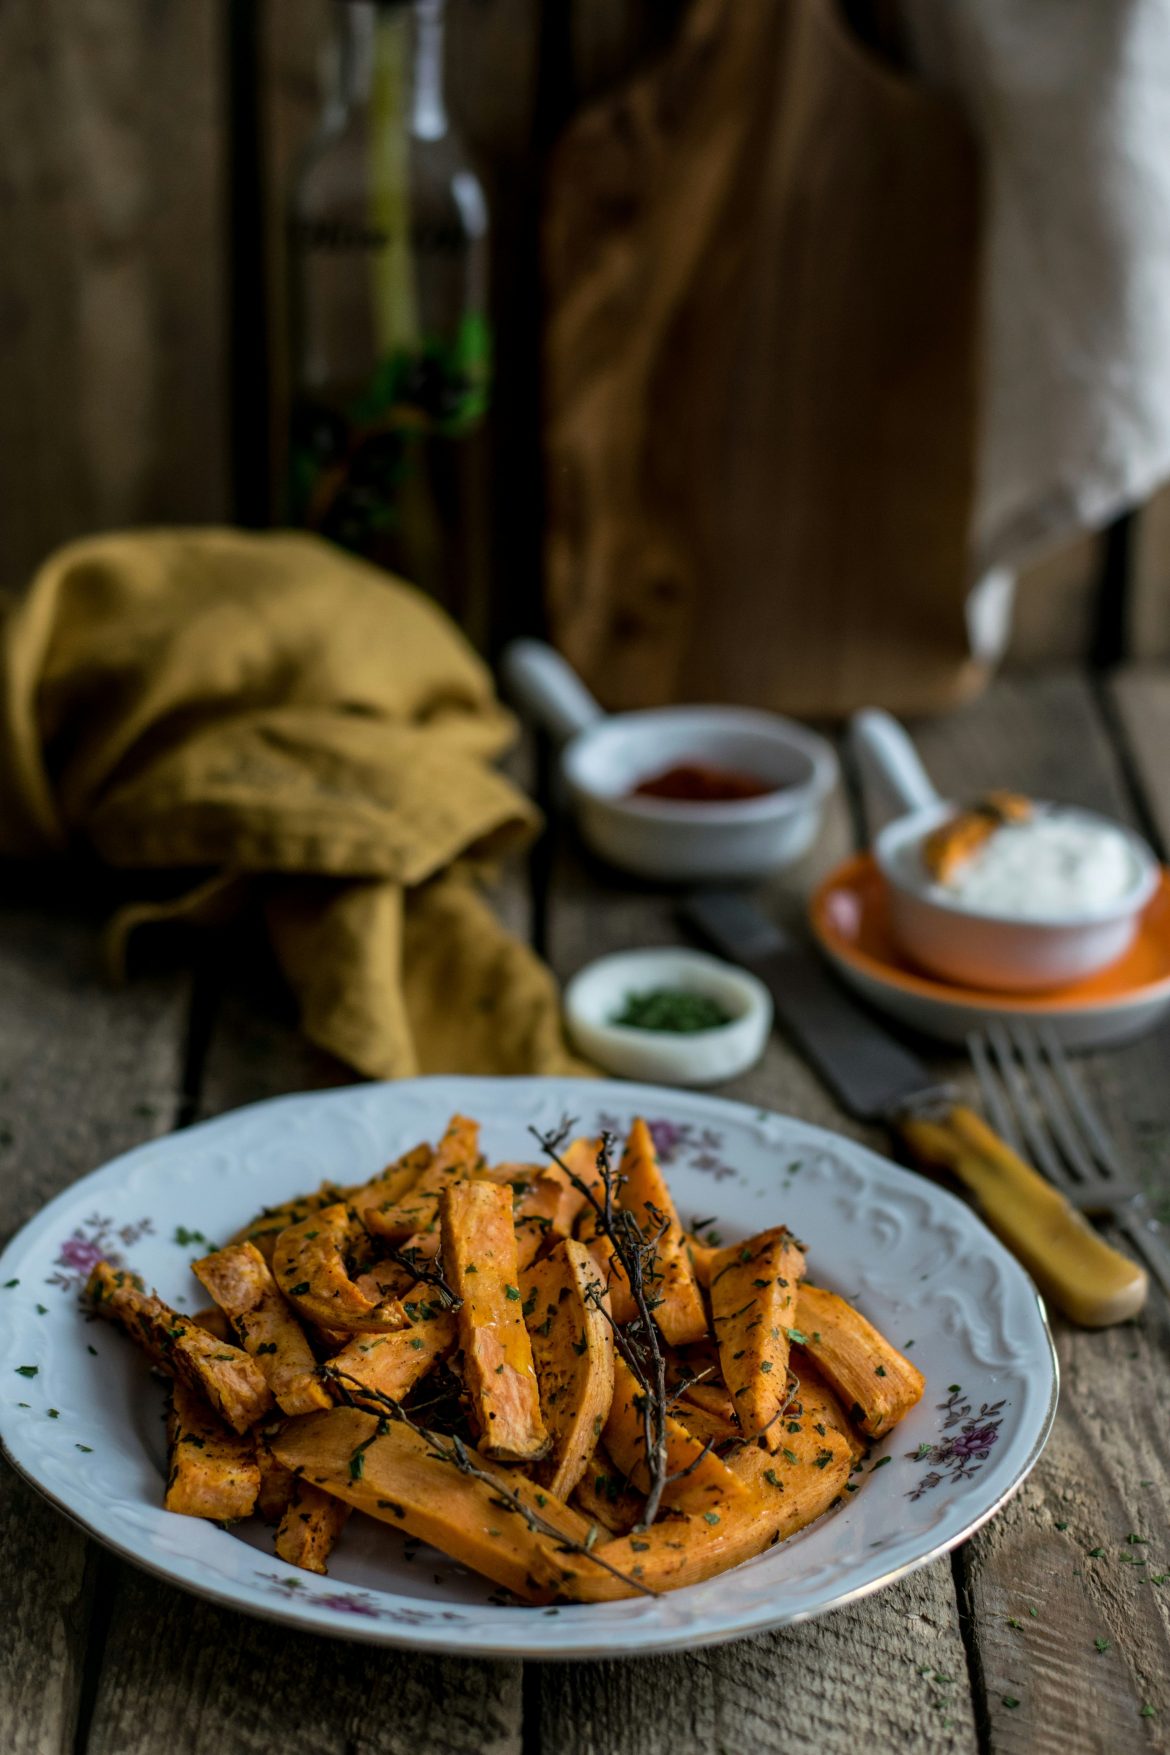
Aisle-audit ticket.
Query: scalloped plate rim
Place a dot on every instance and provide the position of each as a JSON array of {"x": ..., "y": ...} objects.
[{"x": 440, "y": 1637}]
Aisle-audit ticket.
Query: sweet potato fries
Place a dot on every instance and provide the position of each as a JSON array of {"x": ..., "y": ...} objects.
[{"x": 530, "y": 1366}]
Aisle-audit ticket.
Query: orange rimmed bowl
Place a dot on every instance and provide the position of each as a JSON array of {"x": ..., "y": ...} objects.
[{"x": 850, "y": 918}]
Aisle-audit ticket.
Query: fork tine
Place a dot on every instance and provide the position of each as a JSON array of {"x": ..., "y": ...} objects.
[
  {"x": 1078, "y": 1103},
  {"x": 1054, "y": 1097},
  {"x": 1001, "y": 1116},
  {"x": 1037, "y": 1138},
  {"x": 1137, "y": 1225}
]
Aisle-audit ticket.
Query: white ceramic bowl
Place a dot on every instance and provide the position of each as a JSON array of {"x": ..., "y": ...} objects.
[
  {"x": 699, "y": 1057},
  {"x": 604, "y": 758},
  {"x": 999, "y": 951}
]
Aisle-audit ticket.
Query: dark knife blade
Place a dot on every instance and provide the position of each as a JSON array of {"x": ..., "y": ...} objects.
[{"x": 871, "y": 1075}]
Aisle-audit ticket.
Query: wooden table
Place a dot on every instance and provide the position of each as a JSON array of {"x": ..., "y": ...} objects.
[{"x": 1026, "y": 1639}]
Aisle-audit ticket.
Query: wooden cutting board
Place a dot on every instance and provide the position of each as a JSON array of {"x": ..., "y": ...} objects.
[{"x": 761, "y": 276}]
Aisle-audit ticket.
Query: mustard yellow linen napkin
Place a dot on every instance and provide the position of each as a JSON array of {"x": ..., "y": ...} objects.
[{"x": 270, "y": 712}]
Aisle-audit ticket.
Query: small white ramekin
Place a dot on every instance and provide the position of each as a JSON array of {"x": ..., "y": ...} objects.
[
  {"x": 606, "y": 756},
  {"x": 699, "y": 1057},
  {"x": 1004, "y": 953}
]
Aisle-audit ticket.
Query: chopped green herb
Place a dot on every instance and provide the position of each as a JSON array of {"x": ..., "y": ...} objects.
[
  {"x": 1010, "y": 1700},
  {"x": 88, "y": 1448},
  {"x": 183, "y": 1237},
  {"x": 512, "y": 1294},
  {"x": 1102, "y": 1644},
  {"x": 27, "y": 1370},
  {"x": 675, "y": 1009},
  {"x": 710, "y": 1517},
  {"x": 1096, "y": 1553},
  {"x": 298, "y": 1291}
]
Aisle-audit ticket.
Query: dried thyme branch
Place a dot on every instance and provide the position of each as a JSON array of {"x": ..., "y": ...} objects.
[
  {"x": 453, "y": 1450},
  {"x": 427, "y": 1269},
  {"x": 680, "y": 1389},
  {"x": 637, "y": 1255}
]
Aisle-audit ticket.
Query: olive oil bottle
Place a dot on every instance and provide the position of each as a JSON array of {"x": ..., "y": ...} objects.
[{"x": 388, "y": 315}]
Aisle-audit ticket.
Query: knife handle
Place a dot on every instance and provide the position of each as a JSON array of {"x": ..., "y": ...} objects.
[{"x": 1090, "y": 1281}]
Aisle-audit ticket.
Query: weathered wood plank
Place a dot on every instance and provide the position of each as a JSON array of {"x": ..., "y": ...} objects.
[
  {"x": 112, "y": 381},
  {"x": 1052, "y": 619},
  {"x": 86, "y": 1073},
  {"x": 1150, "y": 605},
  {"x": 186, "y": 1676},
  {"x": 818, "y": 1683},
  {"x": 1141, "y": 697},
  {"x": 1104, "y": 1475},
  {"x": 889, "y": 1673}
]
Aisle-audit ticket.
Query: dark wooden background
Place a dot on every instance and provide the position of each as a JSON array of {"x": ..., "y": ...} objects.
[{"x": 144, "y": 149}]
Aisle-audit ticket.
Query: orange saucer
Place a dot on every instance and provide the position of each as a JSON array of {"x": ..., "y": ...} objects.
[{"x": 850, "y": 918}]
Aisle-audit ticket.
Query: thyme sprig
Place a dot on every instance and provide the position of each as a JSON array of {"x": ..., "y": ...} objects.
[
  {"x": 638, "y": 1342},
  {"x": 428, "y": 1269},
  {"x": 450, "y": 1449}
]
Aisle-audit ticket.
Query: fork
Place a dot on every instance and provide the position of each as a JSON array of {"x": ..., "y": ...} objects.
[{"x": 1038, "y": 1105}]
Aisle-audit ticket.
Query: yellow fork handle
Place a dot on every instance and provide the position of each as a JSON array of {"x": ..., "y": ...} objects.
[{"x": 1084, "y": 1276}]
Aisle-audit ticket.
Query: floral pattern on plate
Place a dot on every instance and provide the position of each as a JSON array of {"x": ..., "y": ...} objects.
[{"x": 80, "y": 1420}]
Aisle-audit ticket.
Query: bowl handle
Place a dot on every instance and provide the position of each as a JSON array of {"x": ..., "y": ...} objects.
[
  {"x": 547, "y": 689},
  {"x": 893, "y": 779}
]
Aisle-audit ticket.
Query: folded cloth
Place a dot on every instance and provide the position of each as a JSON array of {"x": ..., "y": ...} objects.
[{"x": 273, "y": 714}]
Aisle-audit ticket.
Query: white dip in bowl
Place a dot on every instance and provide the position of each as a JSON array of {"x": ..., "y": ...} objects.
[{"x": 1060, "y": 864}]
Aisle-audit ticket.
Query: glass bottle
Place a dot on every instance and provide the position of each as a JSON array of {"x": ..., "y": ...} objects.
[{"x": 391, "y": 346}]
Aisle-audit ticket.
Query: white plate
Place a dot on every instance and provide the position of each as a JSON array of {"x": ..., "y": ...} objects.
[{"x": 86, "y": 1429}]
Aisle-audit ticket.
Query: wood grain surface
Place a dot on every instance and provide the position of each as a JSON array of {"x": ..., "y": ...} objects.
[
  {"x": 1047, "y": 736},
  {"x": 97, "y": 1659},
  {"x": 113, "y": 373},
  {"x": 85, "y": 1073}
]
